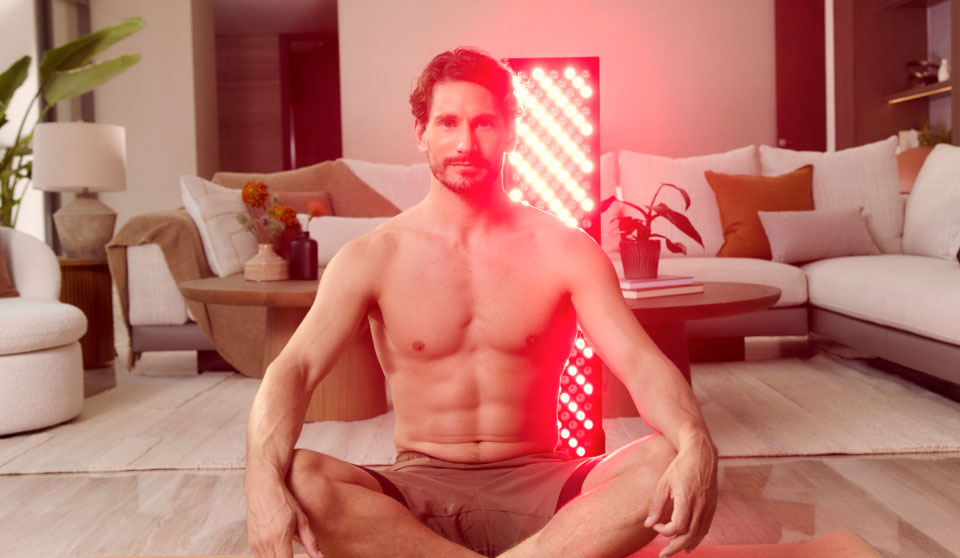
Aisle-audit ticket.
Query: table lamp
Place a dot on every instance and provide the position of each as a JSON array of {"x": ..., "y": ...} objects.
[{"x": 85, "y": 158}]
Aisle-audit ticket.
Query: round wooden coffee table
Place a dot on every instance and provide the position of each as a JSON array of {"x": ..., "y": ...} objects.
[
  {"x": 353, "y": 390},
  {"x": 664, "y": 319}
]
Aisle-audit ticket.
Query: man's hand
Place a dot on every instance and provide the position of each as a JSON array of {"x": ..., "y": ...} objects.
[
  {"x": 691, "y": 483},
  {"x": 274, "y": 519}
]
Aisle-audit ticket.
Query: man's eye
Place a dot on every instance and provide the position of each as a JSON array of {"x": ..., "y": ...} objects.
[
  {"x": 484, "y": 124},
  {"x": 446, "y": 123}
]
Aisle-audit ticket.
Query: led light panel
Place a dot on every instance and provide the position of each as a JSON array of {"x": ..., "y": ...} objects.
[{"x": 556, "y": 168}]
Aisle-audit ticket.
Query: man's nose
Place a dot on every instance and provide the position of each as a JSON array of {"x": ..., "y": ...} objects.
[{"x": 466, "y": 142}]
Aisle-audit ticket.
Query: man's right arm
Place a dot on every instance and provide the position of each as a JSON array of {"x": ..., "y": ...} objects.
[{"x": 345, "y": 293}]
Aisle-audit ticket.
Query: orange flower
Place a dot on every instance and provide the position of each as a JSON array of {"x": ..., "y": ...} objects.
[
  {"x": 255, "y": 193},
  {"x": 316, "y": 208},
  {"x": 283, "y": 214}
]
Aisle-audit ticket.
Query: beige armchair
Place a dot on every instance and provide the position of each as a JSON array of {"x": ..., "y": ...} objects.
[{"x": 41, "y": 366}]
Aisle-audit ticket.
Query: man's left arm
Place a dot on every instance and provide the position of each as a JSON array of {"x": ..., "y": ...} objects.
[{"x": 661, "y": 394}]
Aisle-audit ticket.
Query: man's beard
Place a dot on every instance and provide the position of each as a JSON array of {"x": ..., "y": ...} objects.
[{"x": 480, "y": 176}]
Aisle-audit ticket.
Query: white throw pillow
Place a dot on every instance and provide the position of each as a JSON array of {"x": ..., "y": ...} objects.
[
  {"x": 864, "y": 176},
  {"x": 932, "y": 223},
  {"x": 806, "y": 236},
  {"x": 404, "y": 186},
  {"x": 332, "y": 232},
  {"x": 214, "y": 210},
  {"x": 641, "y": 175}
]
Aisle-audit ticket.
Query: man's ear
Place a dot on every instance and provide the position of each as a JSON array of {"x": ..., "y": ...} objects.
[{"x": 418, "y": 130}]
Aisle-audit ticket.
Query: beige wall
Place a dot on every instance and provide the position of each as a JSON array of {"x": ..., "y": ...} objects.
[
  {"x": 677, "y": 78},
  {"x": 163, "y": 106}
]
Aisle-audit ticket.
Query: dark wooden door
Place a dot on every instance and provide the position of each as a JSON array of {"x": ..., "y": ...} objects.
[
  {"x": 310, "y": 79},
  {"x": 801, "y": 75}
]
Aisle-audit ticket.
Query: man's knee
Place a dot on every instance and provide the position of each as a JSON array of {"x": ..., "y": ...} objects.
[{"x": 312, "y": 473}]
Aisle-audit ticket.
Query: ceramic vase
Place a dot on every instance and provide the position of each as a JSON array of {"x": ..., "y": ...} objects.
[
  {"x": 640, "y": 258},
  {"x": 266, "y": 266},
  {"x": 303, "y": 257}
]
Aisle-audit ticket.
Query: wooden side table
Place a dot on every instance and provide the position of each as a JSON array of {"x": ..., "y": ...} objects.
[
  {"x": 85, "y": 283},
  {"x": 664, "y": 319},
  {"x": 353, "y": 390}
]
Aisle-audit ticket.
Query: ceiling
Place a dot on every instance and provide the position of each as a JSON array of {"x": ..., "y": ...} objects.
[{"x": 254, "y": 17}]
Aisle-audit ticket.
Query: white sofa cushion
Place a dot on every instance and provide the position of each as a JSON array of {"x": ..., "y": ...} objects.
[
  {"x": 864, "y": 176},
  {"x": 789, "y": 279},
  {"x": 154, "y": 296},
  {"x": 33, "y": 324},
  {"x": 332, "y": 232},
  {"x": 642, "y": 174},
  {"x": 931, "y": 225},
  {"x": 403, "y": 185},
  {"x": 911, "y": 293},
  {"x": 214, "y": 211}
]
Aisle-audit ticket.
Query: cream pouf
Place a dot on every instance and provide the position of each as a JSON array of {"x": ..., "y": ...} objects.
[
  {"x": 41, "y": 370},
  {"x": 41, "y": 365}
]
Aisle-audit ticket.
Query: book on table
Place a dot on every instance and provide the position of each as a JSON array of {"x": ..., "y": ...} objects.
[
  {"x": 659, "y": 281},
  {"x": 634, "y": 294}
]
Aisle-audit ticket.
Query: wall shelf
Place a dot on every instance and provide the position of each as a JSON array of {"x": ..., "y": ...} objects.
[
  {"x": 893, "y": 4},
  {"x": 919, "y": 92}
]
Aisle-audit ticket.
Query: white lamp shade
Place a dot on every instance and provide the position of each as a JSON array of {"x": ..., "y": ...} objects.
[{"x": 73, "y": 156}]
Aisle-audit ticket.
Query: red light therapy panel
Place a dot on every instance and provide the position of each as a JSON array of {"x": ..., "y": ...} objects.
[
  {"x": 556, "y": 168},
  {"x": 556, "y": 165}
]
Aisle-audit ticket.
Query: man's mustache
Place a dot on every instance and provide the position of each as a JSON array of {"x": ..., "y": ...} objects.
[{"x": 466, "y": 160}]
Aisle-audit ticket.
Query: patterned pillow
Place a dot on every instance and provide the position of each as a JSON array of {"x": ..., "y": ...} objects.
[{"x": 214, "y": 210}]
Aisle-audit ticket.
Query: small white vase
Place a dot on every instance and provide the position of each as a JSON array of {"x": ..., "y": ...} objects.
[{"x": 266, "y": 266}]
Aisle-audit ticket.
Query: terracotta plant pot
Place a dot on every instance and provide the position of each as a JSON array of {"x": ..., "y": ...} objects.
[
  {"x": 266, "y": 266},
  {"x": 640, "y": 258}
]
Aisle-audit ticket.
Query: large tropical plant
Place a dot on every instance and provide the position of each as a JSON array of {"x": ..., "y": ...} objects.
[{"x": 65, "y": 71}]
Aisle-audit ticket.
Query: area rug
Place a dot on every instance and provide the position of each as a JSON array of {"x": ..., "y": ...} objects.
[
  {"x": 839, "y": 544},
  {"x": 786, "y": 407}
]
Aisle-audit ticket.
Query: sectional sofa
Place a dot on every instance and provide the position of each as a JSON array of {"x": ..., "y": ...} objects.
[{"x": 897, "y": 297}]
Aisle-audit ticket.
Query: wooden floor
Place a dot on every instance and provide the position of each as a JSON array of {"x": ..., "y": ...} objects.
[{"x": 906, "y": 506}]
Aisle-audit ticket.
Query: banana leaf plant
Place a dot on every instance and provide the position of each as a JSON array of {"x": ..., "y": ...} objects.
[
  {"x": 65, "y": 71},
  {"x": 639, "y": 228}
]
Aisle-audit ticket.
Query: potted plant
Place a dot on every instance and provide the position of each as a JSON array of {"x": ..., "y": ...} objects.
[
  {"x": 267, "y": 265},
  {"x": 639, "y": 245},
  {"x": 65, "y": 71}
]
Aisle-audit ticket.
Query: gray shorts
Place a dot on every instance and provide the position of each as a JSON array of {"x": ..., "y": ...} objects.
[{"x": 486, "y": 507}]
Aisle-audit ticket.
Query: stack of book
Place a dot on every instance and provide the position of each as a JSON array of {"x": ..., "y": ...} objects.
[{"x": 664, "y": 285}]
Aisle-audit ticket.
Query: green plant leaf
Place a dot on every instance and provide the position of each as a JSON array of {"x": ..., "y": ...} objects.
[
  {"x": 686, "y": 196},
  {"x": 70, "y": 83},
  {"x": 679, "y": 220},
  {"x": 675, "y": 247},
  {"x": 81, "y": 51},
  {"x": 11, "y": 80},
  {"x": 605, "y": 204}
]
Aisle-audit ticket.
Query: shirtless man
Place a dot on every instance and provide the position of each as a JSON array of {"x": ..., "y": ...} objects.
[{"x": 473, "y": 302}]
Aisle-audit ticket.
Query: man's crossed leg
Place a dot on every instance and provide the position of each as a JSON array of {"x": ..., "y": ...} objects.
[{"x": 351, "y": 517}]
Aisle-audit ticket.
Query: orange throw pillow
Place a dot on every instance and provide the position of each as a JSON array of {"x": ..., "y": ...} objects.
[
  {"x": 6, "y": 284},
  {"x": 741, "y": 196}
]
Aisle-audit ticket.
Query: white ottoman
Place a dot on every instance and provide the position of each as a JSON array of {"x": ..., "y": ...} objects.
[{"x": 41, "y": 367}]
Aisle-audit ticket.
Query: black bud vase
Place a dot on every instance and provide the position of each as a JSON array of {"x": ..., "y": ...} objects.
[{"x": 303, "y": 257}]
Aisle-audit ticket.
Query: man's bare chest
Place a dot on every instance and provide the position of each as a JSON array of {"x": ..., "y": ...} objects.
[{"x": 437, "y": 304}]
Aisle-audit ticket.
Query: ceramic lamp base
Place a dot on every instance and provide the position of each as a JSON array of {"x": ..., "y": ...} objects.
[
  {"x": 85, "y": 225},
  {"x": 266, "y": 266}
]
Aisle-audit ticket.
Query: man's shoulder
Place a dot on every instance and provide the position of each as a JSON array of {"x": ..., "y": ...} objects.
[
  {"x": 554, "y": 232},
  {"x": 387, "y": 237}
]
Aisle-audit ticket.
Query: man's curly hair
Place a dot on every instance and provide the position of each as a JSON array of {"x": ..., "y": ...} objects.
[{"x": 465, "y": 64}]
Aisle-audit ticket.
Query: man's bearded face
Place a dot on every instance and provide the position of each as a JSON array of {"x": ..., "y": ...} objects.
[{"x": 465, "y": 137}]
